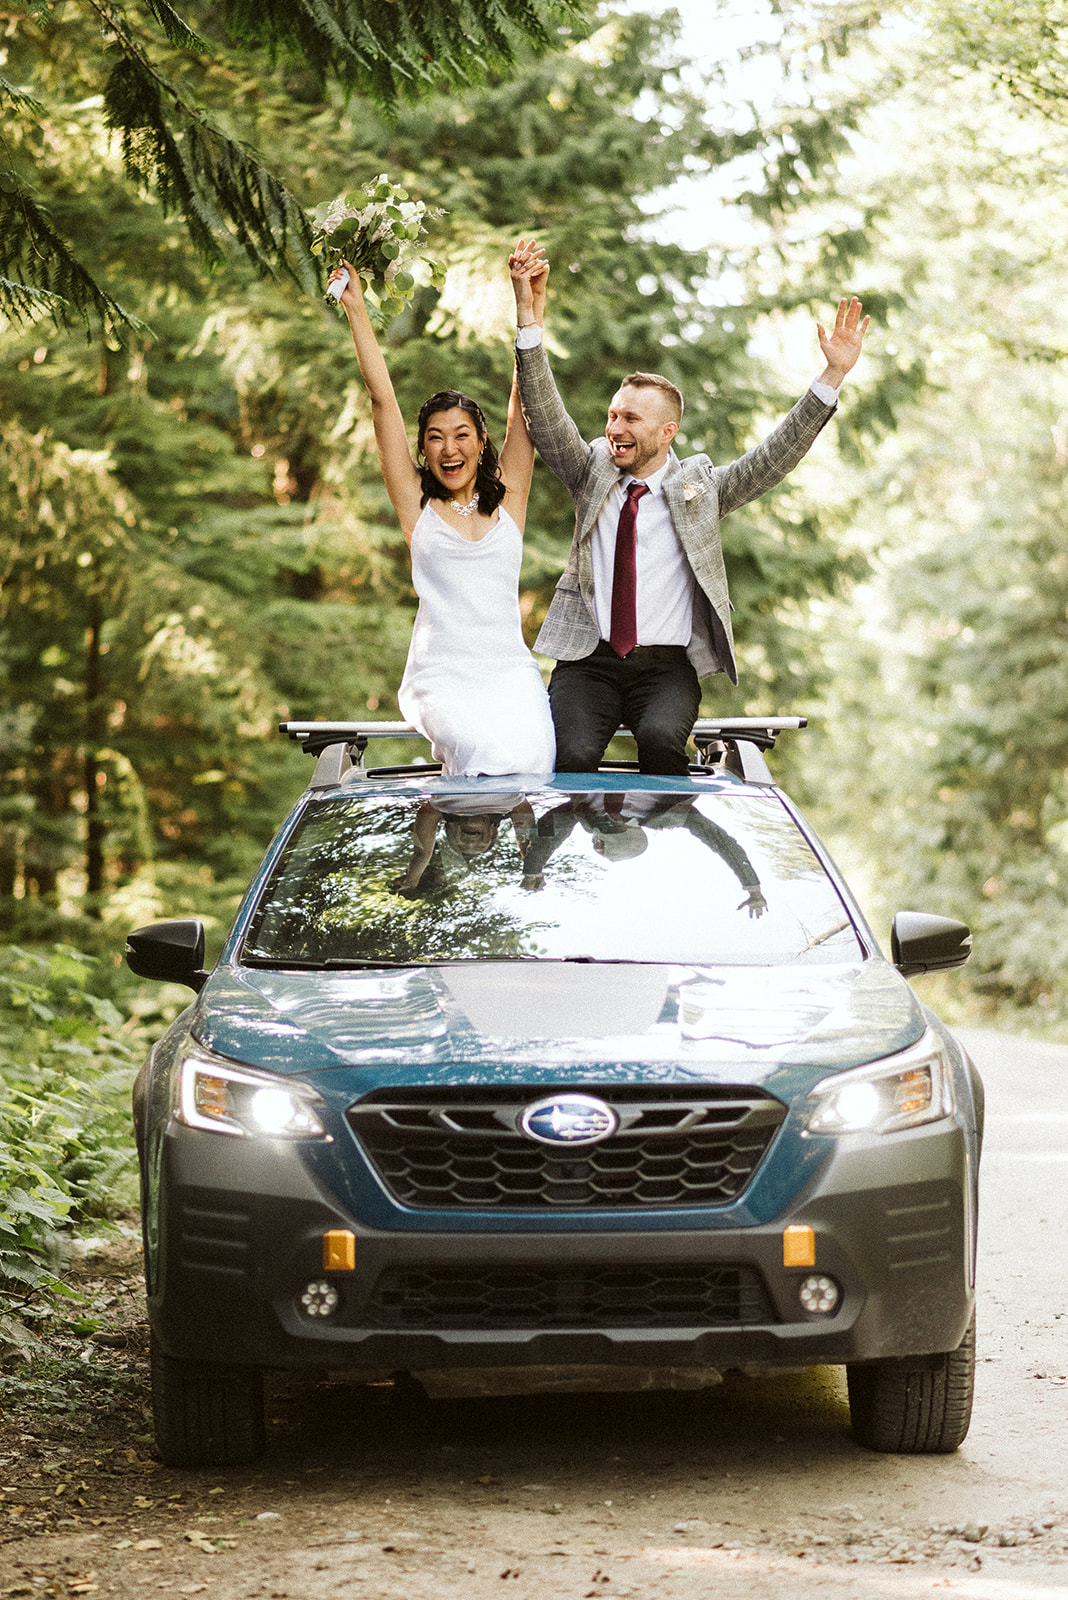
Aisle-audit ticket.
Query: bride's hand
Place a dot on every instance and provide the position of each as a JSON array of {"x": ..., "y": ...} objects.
[{"x": 350, "y": 294}]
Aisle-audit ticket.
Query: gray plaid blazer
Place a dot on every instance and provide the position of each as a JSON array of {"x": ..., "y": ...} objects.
[{"x": 698, "y": 494}]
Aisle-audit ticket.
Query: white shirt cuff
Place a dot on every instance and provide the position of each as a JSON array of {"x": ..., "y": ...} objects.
[
  {"x": 528, "y": 338},
  {"x": 825, "y": 392}
]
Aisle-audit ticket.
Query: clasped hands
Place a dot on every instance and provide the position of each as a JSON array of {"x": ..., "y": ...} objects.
[{"x": 530, "y": 276}]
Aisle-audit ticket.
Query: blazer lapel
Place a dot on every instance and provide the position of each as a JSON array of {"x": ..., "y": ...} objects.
[
  {"x": 602, "y": 476},
  {"x": 673, "y": 493}
]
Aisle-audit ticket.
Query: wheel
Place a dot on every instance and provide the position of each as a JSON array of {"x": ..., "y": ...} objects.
[
  {"x": 206, "y": 1414},
  {"x": 919, "y": 1405}
]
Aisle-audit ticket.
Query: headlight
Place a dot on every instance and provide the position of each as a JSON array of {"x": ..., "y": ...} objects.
[
  {"x": 901, "y": 1092},
  {"x": 225, "y": 1099}
]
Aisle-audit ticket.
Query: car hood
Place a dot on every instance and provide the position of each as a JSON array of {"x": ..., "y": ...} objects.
[{"x": 624, "y": 1022}]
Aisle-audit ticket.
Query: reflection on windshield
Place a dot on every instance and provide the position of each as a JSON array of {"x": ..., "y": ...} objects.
[{"x": 707, "y": 878}]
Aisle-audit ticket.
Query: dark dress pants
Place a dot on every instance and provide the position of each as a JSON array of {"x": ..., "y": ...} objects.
[{"x": 654, "y": 691}]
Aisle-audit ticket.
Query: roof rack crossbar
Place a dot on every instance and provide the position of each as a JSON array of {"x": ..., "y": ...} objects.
[
  {"x": 314, "y": 736},
  {"x": 717, "y": 740}
]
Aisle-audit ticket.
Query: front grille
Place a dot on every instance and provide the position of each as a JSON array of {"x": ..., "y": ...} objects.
[
  {"x": 569, "y": 1297},
  {"x": 675, "y": 1146}
]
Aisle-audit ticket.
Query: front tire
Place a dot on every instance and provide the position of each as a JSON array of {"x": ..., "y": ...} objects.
[
  {"x": 206, "y": 1414},
  {"x": 918, "y": 1405}
]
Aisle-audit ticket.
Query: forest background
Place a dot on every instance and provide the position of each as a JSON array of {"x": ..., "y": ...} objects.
[{"x": 195, "y": 542}]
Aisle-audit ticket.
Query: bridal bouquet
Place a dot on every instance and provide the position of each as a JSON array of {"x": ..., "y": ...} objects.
[{"x": 381, "y": 231}]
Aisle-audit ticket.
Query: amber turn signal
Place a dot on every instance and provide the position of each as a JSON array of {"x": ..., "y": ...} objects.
[
  {"x": 798, "y": 1246},
  {"x": 339, "y": 1251}
]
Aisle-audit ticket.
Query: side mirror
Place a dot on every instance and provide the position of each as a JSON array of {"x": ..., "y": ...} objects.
[
  {"x": 173, "y": 951},
  {"x": 922, "y": 942}
]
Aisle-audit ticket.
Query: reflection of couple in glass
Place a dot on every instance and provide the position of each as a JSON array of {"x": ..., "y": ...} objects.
[
  {"x": 641, "y": 612},
  {"x": 619, "y": 825},
  {"x": 469, "y": 829}
]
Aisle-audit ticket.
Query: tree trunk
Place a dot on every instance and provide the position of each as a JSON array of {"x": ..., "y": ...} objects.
[{"x": 94, "y": 714}]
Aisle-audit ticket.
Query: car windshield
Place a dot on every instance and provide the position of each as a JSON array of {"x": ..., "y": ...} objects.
[{"x": 638, "y": 876}]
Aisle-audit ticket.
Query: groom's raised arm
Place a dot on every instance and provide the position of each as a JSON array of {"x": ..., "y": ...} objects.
[{"x": 769, "y": 462}]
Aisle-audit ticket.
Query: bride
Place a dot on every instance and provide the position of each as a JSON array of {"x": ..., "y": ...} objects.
[{"x": 470, "y": 685}]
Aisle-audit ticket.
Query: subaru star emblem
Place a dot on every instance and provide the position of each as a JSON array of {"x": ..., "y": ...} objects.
[{"x": 569, "y": 1119}]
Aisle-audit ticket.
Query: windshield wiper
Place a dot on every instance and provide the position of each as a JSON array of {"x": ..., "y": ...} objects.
[
  {"x": 550, "y": 961},
  {"x": 327, "y": 964},
  {"x": 338, "y": 962}
]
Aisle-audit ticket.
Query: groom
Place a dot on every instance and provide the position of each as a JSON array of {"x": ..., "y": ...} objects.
[{"x": 642, "y": 611}]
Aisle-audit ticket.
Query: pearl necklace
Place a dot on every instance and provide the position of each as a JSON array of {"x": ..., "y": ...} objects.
[{"x": 469, "y": 509}]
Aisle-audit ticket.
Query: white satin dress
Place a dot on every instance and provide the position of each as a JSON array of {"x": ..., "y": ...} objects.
[{"x": 470, "y": 685}]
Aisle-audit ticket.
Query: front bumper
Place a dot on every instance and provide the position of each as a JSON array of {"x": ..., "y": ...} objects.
[{"x": 235, "y": 1231}]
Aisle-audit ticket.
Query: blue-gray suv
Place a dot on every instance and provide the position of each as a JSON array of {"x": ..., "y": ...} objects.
[{"x": 592, "y": 1078}]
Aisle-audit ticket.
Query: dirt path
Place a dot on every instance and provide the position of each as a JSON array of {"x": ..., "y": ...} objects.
[{"x": 741, "y": 1490}]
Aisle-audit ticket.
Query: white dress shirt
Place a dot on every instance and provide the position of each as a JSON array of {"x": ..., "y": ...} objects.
[{"x": 664, "y": 581}]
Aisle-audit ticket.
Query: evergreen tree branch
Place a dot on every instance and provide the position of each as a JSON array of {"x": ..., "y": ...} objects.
[
  {"x": 176, "y": 29},
  {"x": 389, "y": 50},
  {"x": 23, "y": 303},
  {"x": 19, "y": 97},
  {"x": 39, "y": 274},
  {"x": 217, "y": 185},
  {"x": 225, "y": 194}
]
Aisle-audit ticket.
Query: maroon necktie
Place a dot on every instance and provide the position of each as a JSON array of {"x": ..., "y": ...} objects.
[{"x": 624, "y": 634}]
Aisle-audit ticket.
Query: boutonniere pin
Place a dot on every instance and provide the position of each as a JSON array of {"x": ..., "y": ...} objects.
[{"x": 690, "y": 491}]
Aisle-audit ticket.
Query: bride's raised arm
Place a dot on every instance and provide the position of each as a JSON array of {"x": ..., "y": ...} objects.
[{"x": 399, "y": 471}]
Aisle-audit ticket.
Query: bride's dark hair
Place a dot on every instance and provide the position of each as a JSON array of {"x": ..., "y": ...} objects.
[{"x": 488, "y": 485}]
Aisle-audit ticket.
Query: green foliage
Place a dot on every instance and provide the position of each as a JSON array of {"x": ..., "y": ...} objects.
[
  {"x": 154, "y": 87},
  {"x": 51, "y": 281},
  {"x": 65, "y": 1385},
  {"x": 197, "y": 540},
  {"x": 1024, "y": 49},
  {"x": 65, "y": 1076},
  {"x": 943, "y": 765},
  {"x": 409, "y": 48}
]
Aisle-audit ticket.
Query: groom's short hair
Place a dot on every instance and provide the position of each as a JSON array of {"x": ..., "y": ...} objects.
[{"x": 654, "y": 380}]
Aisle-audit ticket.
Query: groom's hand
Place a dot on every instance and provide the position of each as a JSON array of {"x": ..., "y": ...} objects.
[{"x": 841, "y": 348}]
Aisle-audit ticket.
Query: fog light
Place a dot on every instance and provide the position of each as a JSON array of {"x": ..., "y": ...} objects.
[
  {"x": 818, "y": 1294},
  {"x": 320, "y": 1299}
]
